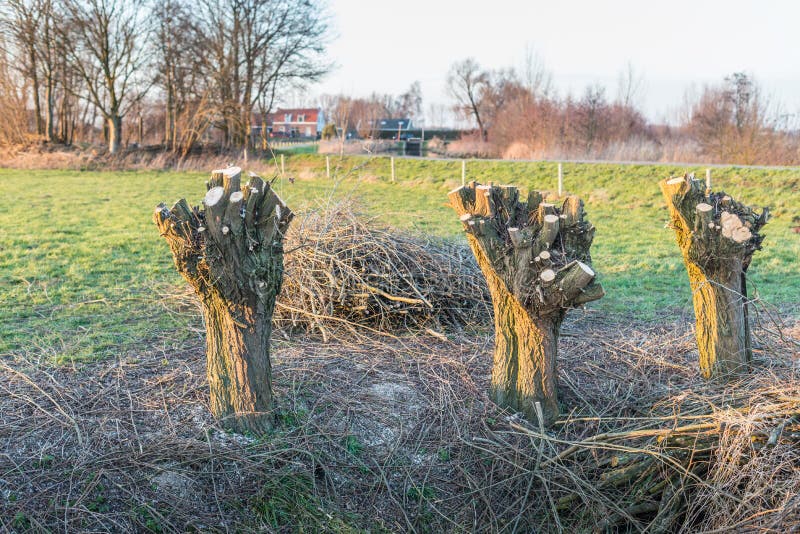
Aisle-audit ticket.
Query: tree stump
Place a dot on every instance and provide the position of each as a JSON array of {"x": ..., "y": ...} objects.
[
  {"x": 231, "y": 253},
  {"x": 717, "y": 237},
  {"x": 535, "y": 257}
]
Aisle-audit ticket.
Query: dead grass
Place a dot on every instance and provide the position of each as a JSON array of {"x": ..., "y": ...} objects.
[
  {"x": 59, "y": 157},
  {"x": 357, "y": 146},
  {"x": 398, "y": 435}
]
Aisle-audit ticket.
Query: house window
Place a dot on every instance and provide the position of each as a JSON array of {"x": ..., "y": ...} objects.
[
  {"x": 301, "y": 118},
  {"x": 287, "y": 117},
  {"x": 308, "y": 131}
]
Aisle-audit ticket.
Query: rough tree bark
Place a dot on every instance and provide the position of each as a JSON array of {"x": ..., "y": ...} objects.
[
  {"x": 535, "y": 257},
  {"x": 717, "y": 237},
  {"x": 232, "y": 255},
  {"x": 114, "y": 124}
]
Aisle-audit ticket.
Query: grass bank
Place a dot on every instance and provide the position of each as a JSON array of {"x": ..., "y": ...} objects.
[{"x": 82, "y": 269}]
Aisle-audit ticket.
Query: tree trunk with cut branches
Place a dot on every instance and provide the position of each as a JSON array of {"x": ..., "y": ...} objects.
[
  {"x": 535, "y": 257},
  {"x": 232, "y": 255},
  {"x": 717, "y": 237}
]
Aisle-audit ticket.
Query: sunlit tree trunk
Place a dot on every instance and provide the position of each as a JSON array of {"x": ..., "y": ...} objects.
[
  {"x": 232, "y": 255},
  {"x": 717, "y": 237},
  {"x": 535, "y": 257}
]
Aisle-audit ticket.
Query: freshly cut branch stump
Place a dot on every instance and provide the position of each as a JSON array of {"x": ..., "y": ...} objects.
[
  {"x": 535, "y": 257},
  {"x": 231, "y": 253},
  {"x": 717, "y": 237}
]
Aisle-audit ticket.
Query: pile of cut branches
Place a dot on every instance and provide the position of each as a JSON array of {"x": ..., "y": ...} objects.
[
  {"x": 689, "y": 470},
  {"x": 704, "y": 456},
  {"x": 345, "y": 273}
]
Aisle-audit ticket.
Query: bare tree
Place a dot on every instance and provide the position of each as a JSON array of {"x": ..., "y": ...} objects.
[
  {"x": 22, "y": 23},
  {"x": 37, "y": 29},
  {"x": 109, "y": 57},
  {"x": 409, "y": 104},
  {"x": 48, "y": 48},
  {"x": 536, "y": 78},
  {"x": 251, "y": 48},
  {"x": 73, "y": 107},
  {"x": 630, "y": 86},
  {"x": 178, "y": 70},
  {"x": 732, "y": 122},
  {"x": 12, "y": 101},
  {"x": 591, "y": 114},
  {"x": 468, "y": 83}
]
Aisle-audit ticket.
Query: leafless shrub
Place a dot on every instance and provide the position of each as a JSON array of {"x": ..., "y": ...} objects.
[{"x": 470, "y": 147}]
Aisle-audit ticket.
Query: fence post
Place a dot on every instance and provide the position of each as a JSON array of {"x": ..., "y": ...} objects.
[
  {"x": 392, "y": 158},
  {"x": 283, "y": 167},
  {"x": 708, "y": 181},
  {"x": 328, "y": 166},
  {"x": 560, "y": 180},
  {"x": 463, "y": 172}
]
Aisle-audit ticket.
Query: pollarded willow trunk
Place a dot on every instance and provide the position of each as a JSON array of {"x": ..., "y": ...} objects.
[
  {"x": 231, "y": 253},
  {"x": 535, "y": 257},
  {"x": 717, "y": 237}
]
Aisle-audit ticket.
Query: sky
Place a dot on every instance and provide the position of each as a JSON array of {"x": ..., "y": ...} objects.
[{"x": 672, "y": 45}]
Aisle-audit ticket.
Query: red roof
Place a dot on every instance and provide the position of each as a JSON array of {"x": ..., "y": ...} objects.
[{"x": 279, "y": 115}]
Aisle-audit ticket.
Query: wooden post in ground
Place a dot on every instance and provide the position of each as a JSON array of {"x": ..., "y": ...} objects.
[
  {"x": 560, "y": 180},
  {"x": 717, "y": 237},
  {"x": 463, "y": 172},
  {"x": 708, "y": 181},
  {"x": 535, "y": 257},
  {"x": 231, "y": 253},
  {"x": 392, "y": 163},
  {"x": 328, "y": 166},
  {"x": 283, "y": 167}
]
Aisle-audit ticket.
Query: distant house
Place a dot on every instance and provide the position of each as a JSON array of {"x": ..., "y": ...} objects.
[
  {"x": 295, "y": 122},
  {"x": 392, "y": 128}
]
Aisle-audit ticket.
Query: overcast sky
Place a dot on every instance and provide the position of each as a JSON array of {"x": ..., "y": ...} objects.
[{"x": 385, "y": 46}]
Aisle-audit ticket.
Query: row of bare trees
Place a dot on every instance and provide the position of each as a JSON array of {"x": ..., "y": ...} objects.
[
  {"x": 510, "y": 108},
  {"x": 193, "y": 67},
  {"x": 516, "y": 114},
  {"x": 360, "y": 115}
]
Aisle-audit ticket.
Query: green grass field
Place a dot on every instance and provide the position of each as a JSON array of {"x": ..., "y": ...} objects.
[{"x": 83, "y": 272}]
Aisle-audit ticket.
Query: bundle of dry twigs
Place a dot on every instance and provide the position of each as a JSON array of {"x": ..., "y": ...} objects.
[
  {"x": 345, "y": 273},
  {"x": 688, "y": 470},
  {"x": 690, "y": 456}
]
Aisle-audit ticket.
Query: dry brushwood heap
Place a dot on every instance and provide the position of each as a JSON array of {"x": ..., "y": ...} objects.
[
  {"x": 691, "y": 470},
  {"x": 231, "y": 253},
  {"x": 535, "y": 257},
  {"x": 347, "y": 275},
  {"x": 717, "y": 237}
]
